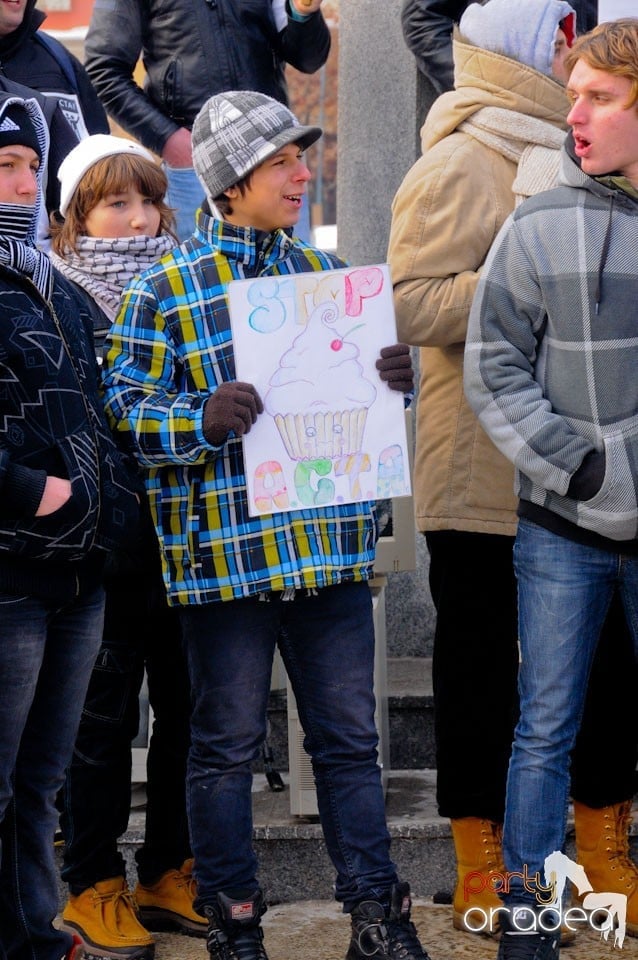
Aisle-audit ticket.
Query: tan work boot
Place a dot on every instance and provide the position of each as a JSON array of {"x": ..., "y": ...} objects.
[
  {"x": 106, "y": 919},
  {"x": 478, "y": 848},
  {"x": 602, "y": 848},
  {"x": 168, "y": 903},
  {"x": 479, "y": 858}
]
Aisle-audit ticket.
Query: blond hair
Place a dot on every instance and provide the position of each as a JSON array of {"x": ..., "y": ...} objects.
[{"x": 613, "y": 48}]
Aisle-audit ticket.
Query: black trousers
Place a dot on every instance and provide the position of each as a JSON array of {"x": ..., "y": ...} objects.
[
  {"x": 140, "y": 632},
  {"x": 475, "y": 665}
]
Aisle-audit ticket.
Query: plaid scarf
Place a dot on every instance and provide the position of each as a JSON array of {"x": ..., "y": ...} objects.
[{"x": 104, "y": 267}]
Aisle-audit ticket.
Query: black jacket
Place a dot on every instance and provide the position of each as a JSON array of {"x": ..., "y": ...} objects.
[
  {"x": 27, "y": 61},
  {"x": 192, "y": 49},
  {"x": 52, "y": 423},
  {"x": 427, "y": 29}
]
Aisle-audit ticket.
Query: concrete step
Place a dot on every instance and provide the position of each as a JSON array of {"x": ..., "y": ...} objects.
[
  {"x": 291, "y": 850},
  {"x": 292, "y": 854},
  {"x": 293, "y": 861}
]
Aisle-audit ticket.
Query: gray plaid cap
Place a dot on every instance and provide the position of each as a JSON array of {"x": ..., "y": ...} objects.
[{"x": 237, "y": 130}]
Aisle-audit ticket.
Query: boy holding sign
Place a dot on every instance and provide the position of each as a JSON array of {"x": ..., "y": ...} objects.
[{"x": 243, "y": 585}]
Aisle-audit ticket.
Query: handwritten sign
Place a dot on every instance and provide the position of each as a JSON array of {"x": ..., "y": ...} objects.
[{"x": 332, "y": 431}]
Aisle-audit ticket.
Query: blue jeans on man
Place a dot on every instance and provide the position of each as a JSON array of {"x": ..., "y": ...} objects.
[
  {"x": 326, "y": 642},
  {"x": 185, "y": 195},
  {"x": 565, "y": 590},
  {"x": 47, "y": 652}
]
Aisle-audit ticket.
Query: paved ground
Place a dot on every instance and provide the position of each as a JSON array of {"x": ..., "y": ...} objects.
[
  {"x": 316, "y": 930},
  {"x": 310, "y": 927}
]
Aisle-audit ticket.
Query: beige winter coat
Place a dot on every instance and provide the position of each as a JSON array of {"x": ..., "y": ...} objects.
[{"x": 445, "y": 216}]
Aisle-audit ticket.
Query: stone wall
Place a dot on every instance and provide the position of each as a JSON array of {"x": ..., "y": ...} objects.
[{"x": 382, "y": 102}]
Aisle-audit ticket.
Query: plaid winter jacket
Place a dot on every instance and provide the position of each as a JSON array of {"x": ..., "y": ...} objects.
[
  {"x": 170, "y": 347},
  {"x": 552, "y": 351}
]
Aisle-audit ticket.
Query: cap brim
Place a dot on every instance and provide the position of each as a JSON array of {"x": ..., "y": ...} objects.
[{"x": 304, "y": 136}]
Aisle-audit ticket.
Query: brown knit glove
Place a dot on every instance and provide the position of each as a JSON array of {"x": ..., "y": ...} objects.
[
  {"x": 395, "y": 367},
  {"x": 233, "y": 406}
]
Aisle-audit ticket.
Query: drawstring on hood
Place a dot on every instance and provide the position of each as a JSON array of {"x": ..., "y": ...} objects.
[{"x": 603, "y": 256}]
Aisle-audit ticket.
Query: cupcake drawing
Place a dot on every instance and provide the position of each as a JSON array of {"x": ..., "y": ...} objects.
[{"x": 318, "y": 396}]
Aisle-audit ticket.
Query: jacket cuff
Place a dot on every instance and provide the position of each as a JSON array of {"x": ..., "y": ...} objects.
[{"x": 22, "y": 490}]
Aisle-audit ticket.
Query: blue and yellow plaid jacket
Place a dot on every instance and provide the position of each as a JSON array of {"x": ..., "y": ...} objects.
[{"x": 168, "y": 350}]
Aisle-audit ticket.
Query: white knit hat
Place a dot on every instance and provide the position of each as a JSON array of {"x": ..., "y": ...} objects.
[
  {"x": 85, "y": 154},
  {"x": 523, "y": 30}
]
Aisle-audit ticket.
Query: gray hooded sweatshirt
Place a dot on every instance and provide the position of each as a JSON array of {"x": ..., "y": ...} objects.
[{"x": 552, "y": 353}]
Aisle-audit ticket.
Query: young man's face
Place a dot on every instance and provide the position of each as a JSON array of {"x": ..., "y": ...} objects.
[
  {"x": 11, "y": 15},
  {"x": 273, "y": 197},
  {"x": 18, "y": 169},
  {"x": 605, "y": 130}
]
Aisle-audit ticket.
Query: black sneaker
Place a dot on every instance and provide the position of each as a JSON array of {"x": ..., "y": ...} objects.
[
  {"x": 515, "y": 945},
  {"x": 234, "y": 928},
  {"x": 385, "y": 933}
]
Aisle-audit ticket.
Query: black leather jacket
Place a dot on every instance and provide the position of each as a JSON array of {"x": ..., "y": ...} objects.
[
  {"x": 192, "y": 49},
  {"x": 427, "y": 29}
]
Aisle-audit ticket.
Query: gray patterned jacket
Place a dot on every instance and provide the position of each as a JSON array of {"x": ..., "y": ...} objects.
[{"x": 551, "y": 361}]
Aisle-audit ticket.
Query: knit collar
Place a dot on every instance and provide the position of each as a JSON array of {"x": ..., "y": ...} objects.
[{"x": 255, "y": 249}]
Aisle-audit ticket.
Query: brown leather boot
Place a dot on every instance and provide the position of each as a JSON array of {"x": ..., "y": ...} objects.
[
  {"x": 479, "y": 857},
  {"x": 477, "y": 844},
  {"x": 602, "y": 848},
  {"x": 105, "y": 918},
  {"x": 168, "y": 903}
]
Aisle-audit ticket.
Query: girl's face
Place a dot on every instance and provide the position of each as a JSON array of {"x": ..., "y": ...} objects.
[{"x": 126, "y": 214}]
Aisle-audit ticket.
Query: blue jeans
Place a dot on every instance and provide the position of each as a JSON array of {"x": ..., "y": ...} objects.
[
  {"x": 46, "y": 657},
  {"x": 565, "y": 590},
  {"x": 327, "y": 645},
  {"x": 185, "y": 195}
]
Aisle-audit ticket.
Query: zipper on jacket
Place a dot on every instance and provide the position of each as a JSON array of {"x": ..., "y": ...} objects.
[{"x": 170, "y": 95}]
